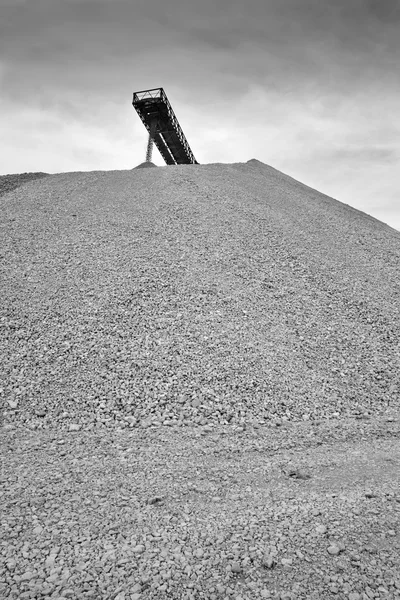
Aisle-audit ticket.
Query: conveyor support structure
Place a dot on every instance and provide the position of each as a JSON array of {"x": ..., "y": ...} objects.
[{"x": 163, "y": 127}]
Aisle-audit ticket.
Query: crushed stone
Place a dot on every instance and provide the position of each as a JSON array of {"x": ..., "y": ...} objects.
[{"x": 199, "y": 390}]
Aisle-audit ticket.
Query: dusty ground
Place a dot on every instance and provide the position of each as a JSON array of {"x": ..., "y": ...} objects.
[{"x": 299, "y": 511}]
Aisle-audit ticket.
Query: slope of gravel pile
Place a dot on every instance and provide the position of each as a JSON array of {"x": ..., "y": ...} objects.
[
  {"x": 202, "y": 296},
  {"x": 8, "y": 183},
  {"x": 194, "y": 294}
]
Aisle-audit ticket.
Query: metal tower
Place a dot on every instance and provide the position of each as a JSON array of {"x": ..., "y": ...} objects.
[{"x": 164, "y": 130}]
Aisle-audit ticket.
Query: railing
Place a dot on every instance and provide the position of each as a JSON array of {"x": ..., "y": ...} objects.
[{"x": 155, "y": 93}]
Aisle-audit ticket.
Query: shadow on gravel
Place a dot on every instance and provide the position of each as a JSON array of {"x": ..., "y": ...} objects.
[{"x": 8, "y": 183}]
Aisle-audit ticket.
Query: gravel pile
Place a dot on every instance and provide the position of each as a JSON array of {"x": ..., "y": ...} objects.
[
  {"x": 8, "y": 183},
  {"x": 191, "y": 295},
  {"x": 145, "y": 165},
  {"x": 200, "y": 385}
]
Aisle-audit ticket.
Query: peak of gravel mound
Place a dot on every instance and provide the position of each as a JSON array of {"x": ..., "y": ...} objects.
[
  {"x": 254, "y": 162},
  {"x": 215, "y": 293},
  {"x": 145, "y": 165}
]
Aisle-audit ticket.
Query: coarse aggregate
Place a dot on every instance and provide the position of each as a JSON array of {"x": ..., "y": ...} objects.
[
  {"x": 195, "y": 293},
  {"x": 145, "y": 165},
  {"x": 199, "y": 388},
  {"x": 290, "y": 512},
  {"x": 8, "y": 183}
]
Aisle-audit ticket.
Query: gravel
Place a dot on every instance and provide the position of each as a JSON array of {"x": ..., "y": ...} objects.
[
  {"x": 194, "y": 294},
  {"x": 145, "y": 165},
  {"x": 200, "y": 388},
  {"x": 79, "y": 521},
  {"x": 8, "y": 183}
]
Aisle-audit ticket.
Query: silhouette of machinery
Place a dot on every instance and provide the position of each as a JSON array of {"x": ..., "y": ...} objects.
[{"x": 164, "y": 130}]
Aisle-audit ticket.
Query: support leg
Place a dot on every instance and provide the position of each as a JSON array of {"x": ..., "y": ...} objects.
[{"x": 150, "y": 143}]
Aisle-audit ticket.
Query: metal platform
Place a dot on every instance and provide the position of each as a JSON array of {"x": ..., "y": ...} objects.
[{"x": 160, "y": 121}]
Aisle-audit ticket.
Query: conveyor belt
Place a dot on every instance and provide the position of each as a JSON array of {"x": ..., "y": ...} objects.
[{"x": 160, "y": 121}]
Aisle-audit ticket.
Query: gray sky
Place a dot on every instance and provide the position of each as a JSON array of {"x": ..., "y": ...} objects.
[{"x": 310, "y": 87}]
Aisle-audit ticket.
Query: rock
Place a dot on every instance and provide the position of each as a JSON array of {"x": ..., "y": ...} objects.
[
  {"x": 50, "y": 560},
  {"x": 268, "y": 562},
  {"x": 139, "y": 549},
  {"x": 333, "y": 550},
  {"x": 155, "y": 500},
  {"x": 27, "y": 576},
  {"x": 11, "y": 564},
  {"x": 321, "y": 529},
  {"x": 74, "y": 427},
  {"x": 370, "y": 494},
  {"x": 354, "y": 596},
  {"x": 354, "y": 556},
  {"x": 298, "y": 474},
  {"x": 12, "y": 403},
  {"x": 38, "y": 530},
  {"x": 236, "y": 568},
  {"x": 286, "y": 562}
]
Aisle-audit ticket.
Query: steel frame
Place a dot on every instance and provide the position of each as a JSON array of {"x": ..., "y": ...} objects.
[{"x": 158, "y": 117}]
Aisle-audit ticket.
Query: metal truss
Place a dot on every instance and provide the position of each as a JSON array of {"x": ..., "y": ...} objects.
[{"x": 163, "y": 127}]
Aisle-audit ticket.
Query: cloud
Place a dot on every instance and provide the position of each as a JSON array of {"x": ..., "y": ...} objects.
[
  {"x": 290, "y": 41},
  {"x": 367, "y": 155},
  {"x": 387, "y": 11}
]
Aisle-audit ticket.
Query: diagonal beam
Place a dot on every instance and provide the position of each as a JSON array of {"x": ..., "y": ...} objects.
[{"x": 153, "y": 107}]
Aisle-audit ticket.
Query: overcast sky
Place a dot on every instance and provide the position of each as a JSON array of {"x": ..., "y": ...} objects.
[{"x": 310, "y": 87}]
